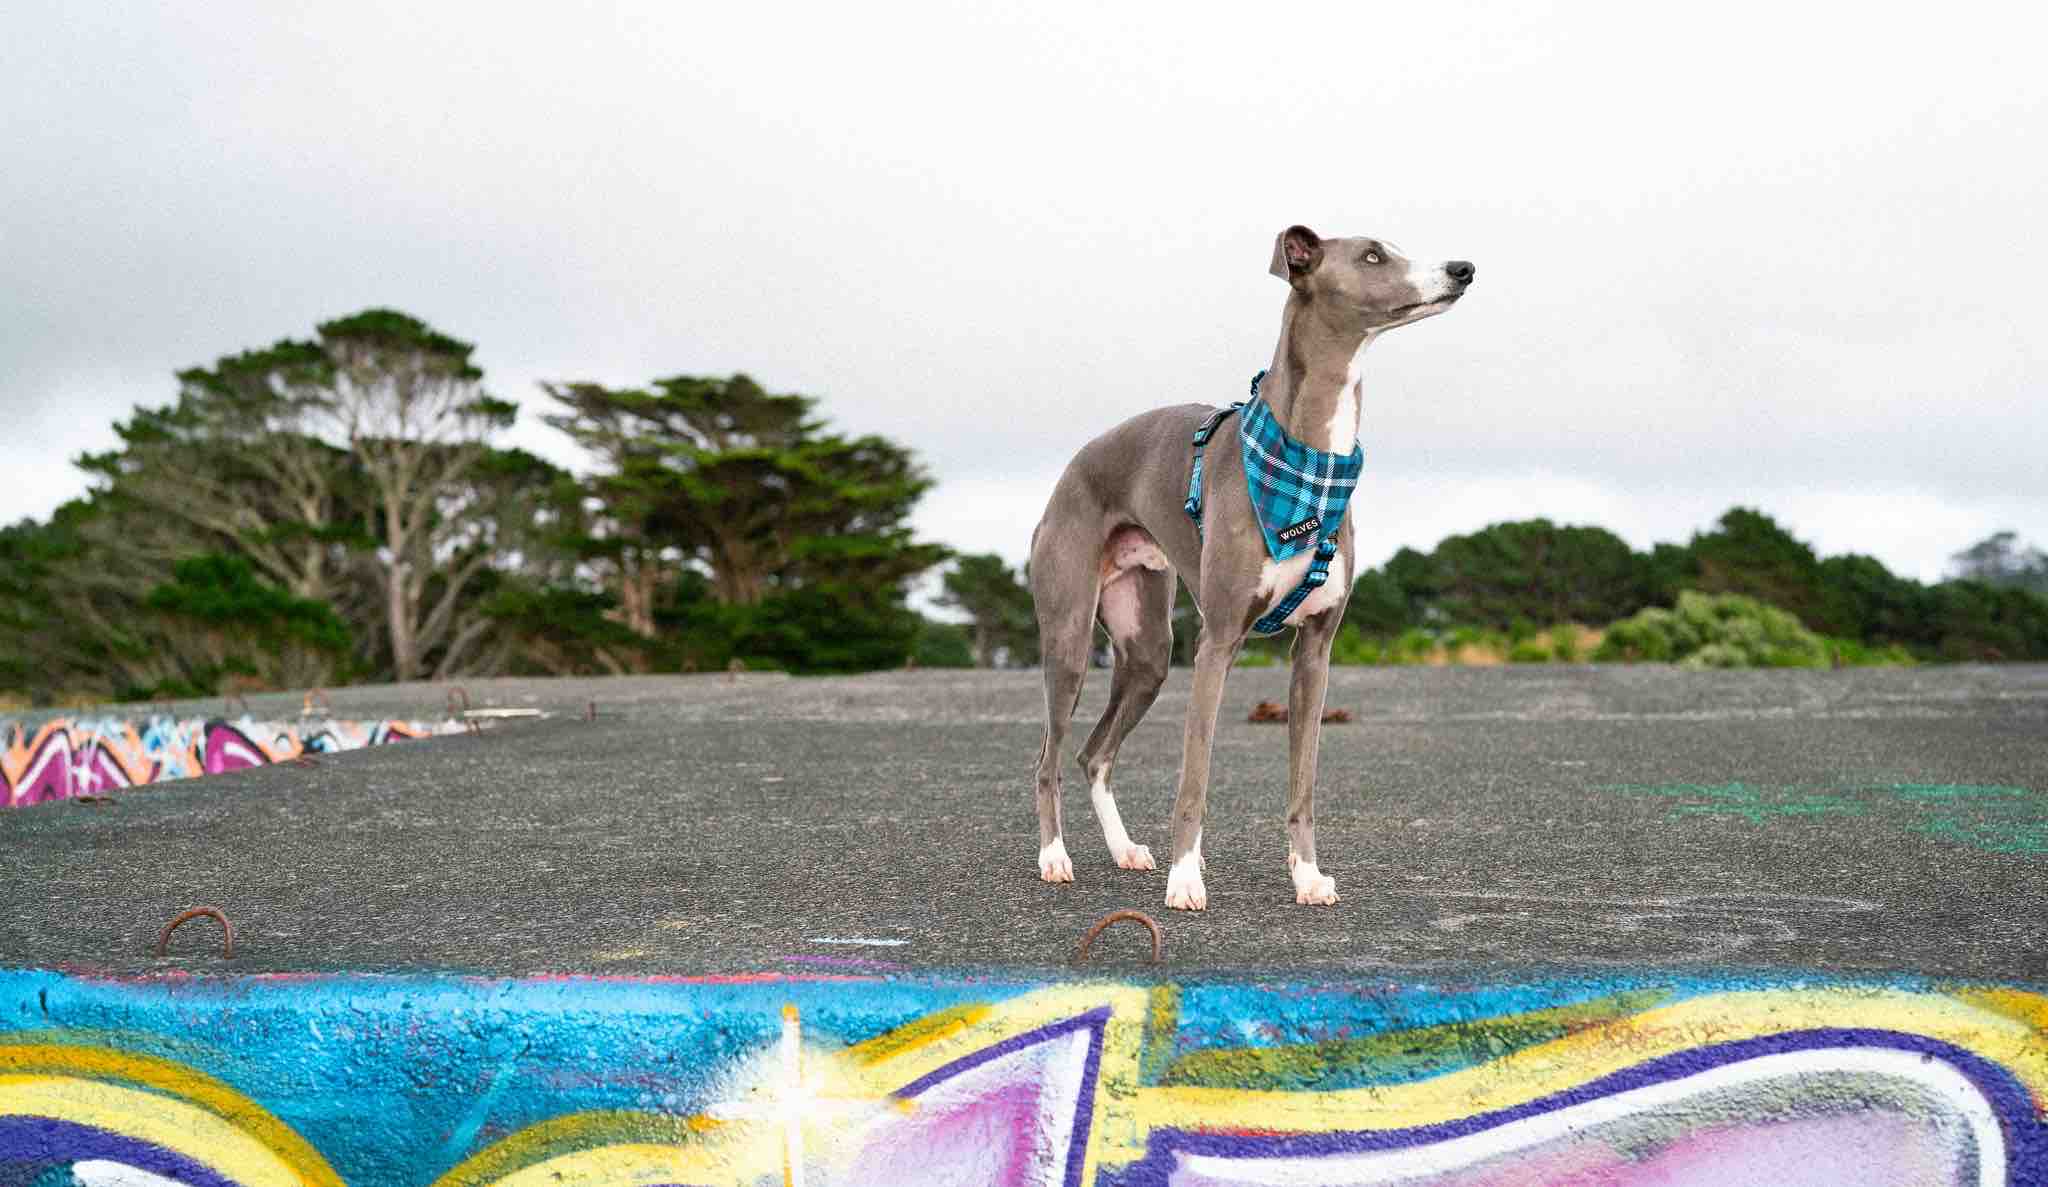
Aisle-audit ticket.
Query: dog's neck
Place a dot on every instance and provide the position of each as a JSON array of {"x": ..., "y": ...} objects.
[{"x": 1313, "y": 386}]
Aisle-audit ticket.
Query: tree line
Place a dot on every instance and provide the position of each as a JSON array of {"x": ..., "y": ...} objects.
[
  {"x": 1512, "y": 574},
  {"x": 340, "y": 508},
  {"x": 1517, "y": 581}
]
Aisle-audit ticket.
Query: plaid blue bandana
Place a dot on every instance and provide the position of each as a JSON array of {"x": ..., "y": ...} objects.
[{"x": 1298, "y": 494}]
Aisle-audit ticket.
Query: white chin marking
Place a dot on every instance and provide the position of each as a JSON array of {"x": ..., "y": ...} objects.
[
  {"x": 1312, "y": 887},
  {"x": 1184, "y": 889},
  {"x": 1126, "y": 855},
  {"x": 1053, "y": 864}
]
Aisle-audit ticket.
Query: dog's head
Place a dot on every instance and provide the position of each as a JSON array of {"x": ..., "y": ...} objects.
[{"x": 1367, "y": 282}]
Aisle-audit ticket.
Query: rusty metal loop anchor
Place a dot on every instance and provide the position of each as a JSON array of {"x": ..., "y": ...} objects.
[
  {"x": 313, "y": 695},
  {"x": 457, "y": 693},
  {"x": 1158, "y": 936},
  {"x": 227, "y": 930}
]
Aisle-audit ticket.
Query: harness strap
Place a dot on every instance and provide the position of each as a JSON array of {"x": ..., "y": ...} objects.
[
  {"x": 1275, "y": 620},
  {"x": 1193, "y": 505}
]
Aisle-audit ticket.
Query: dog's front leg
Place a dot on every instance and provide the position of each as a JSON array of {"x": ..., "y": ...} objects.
[
  {"x": 1213, "y": 657},
  {"x": 1312, "y": 642}
]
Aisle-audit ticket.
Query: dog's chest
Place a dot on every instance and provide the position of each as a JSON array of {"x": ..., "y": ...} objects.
[{"x": 1277, "y": 579}]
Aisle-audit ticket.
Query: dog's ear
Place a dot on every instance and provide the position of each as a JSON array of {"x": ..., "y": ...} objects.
[{"x": 1296, "y": 252}]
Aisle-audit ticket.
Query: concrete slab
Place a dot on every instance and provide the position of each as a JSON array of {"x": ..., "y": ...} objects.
[{"x": 1875, "y": 821}]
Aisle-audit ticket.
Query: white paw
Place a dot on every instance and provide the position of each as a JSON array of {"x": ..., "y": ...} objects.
[
  {"x": 1312, "y": 887},
  {"x": 1184, "y": 889},
  {"x": 1135, "y": 857},
  {"x": 1053, "y": 864}
]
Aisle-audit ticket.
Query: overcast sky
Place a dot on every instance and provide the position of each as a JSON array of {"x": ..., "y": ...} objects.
[{"x": 1782, "y": 255}]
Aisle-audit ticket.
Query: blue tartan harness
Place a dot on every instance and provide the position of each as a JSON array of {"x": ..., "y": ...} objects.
[{"x": 1298, "y": 494}]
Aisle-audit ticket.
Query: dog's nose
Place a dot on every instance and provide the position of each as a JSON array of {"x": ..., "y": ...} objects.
[{"x": 1460, "y": 270}]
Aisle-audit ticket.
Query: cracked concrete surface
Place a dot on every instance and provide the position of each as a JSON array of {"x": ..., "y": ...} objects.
[{"x": 1867, "y": 822}]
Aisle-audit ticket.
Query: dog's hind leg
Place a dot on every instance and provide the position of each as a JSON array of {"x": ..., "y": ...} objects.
[
  {"x": 1064, "y": 585},
  {"x": 1136, "y": 608}
]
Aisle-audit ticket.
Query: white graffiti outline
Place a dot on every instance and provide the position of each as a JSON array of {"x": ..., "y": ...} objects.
[{"x": 1939, "y": 1079}]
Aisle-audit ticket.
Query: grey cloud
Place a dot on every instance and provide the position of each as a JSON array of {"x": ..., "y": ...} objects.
[{"x": 1778, "y": 254}]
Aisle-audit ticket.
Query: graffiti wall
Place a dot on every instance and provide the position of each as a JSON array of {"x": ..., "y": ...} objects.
[
  {"x": 68, "y": 758},
  {"x": 847, "y": 1078}
]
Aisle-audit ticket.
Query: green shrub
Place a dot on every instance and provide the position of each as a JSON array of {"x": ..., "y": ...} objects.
[
  {"x": 1854, "y": 653},
  {"x": 943, "y": 645},
  {"x": 1352, "y": 647},
  {"x": 1412, "y": 646},
  {"x": 1716, "y": 655},
  {"x": 1529, "y": 651},
  {"x": 1460, "y": 637},
  {"x": 1564, "y": 643},
  {"x": 217, "y": 618},
  {"x": 1648, "y": 636},
  {"x": 1715, "y": 631}
]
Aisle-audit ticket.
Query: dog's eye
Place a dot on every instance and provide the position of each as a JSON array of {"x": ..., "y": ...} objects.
[{"x": 1372, "y": 257}]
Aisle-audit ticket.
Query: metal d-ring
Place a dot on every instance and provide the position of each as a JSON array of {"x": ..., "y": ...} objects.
[
  {"x": 1158, "y": 936},
  {"x": 163, "y": 942}
]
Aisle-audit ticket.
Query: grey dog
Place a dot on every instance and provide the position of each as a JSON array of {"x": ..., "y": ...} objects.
[{"x": 1115, "y": 534}]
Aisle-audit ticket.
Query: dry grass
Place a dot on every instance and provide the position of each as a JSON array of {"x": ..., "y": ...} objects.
[
  {"x": 1494, "y": 649},
  {"x": 1588, "y": 638}
]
